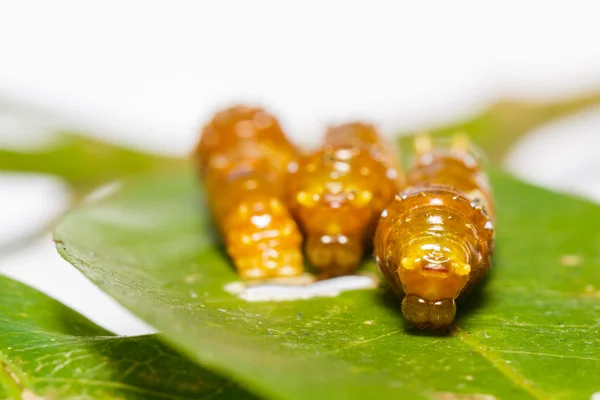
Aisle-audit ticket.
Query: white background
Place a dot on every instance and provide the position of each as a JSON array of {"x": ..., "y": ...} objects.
[{"x": 149, "y": 73}]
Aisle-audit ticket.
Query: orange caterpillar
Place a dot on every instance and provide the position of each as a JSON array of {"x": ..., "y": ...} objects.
[
  {"x": 435, "y": 240},
  {"x": 242, "y": 157},
  {"x": 337, "y": 193}
]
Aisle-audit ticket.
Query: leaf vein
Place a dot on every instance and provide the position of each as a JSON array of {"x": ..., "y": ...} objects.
[
  {"x": 492, "y": 356},
  {"x": 117, "y": 385},
  {"x": 548, "y": 354},
  {"x": 362, "y": 342}
]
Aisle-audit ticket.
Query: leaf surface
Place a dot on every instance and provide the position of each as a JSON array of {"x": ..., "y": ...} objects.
[
  {"x": 496, "y": 129},
  {"x": 48, "y": 351},
  {"x": 82, "y": 161},
  {"x": 531, "y": 331}
]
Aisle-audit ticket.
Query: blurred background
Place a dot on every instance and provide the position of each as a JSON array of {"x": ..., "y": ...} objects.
[{"x": 148, "y": 74}]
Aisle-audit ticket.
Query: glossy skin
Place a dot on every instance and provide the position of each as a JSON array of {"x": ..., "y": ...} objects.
[
  {"x": 435, "y": 240},
  {"x": 242, "y": 157},
  {"x": 366, "y": 137},
  {"x": 337, "y": 193},
  {"x": 242, "y": 126}
]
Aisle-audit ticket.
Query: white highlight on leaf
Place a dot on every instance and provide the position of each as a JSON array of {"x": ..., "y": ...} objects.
[
  {"x": 571, "y": 260},
  {"x": 103, "y": 191},
  {"x": 595, "y": 396},
  {"x": 29, "y": 395},
  {"x": 286, "y": 292},
  {"x": 462, "y": 396},
  {"x": 235, "y": 287}
]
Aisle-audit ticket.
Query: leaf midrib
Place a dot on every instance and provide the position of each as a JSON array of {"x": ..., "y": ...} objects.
[
  {"x": 497, "y": 363},
  {"x": 131, "y": 388},
  {"x": 12, "y": 378}
]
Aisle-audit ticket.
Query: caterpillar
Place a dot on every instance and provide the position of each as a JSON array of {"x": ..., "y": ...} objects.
[
  {"x": 434, "y": 241},
  {"x": 242, "y": 157},
  {"x": 337, "y": 192}
]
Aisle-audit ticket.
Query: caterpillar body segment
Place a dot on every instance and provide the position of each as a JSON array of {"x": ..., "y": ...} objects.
[
  {"x": 242, "y": 126},
  {"x": 367, "y": 138},
  {"x": 337, "y": 192},
  {"x": 435, "y": 240},
  {"x": 455, "y": 163},
  {"x": 242, "y": 158}
]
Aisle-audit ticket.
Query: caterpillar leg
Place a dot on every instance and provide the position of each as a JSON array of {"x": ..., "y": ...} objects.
[
  {"x": 423, "y": 313},
  {"x": 334, "y": 255}
]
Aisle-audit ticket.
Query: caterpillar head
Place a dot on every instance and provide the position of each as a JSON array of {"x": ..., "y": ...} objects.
[
  {"x": 336, "y": 196},
  {"x": 334, "y": 220},
  {"x": 433, "y": 271},
  {"x": 431, "y": 244}
]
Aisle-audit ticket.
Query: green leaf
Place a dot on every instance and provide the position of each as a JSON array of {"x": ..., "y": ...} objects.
[
  {"x": 86, "y": 162},
  {"x": 531, "y": 331},
  {"x": 48, "y": 351},
  {"x": 82, "y": 161},
  {"x": 497, "y": 128}
]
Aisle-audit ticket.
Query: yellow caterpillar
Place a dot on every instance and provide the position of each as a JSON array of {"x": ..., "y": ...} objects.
[
  {"x": 242, "y": 157},
  {"x": 435, "y": 240}
]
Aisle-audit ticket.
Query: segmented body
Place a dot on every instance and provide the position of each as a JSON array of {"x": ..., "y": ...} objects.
[
  {"x": 242, "y": 157},
  {"x": 337, "y": 192},
  {"x": 435, "y": 240}
]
